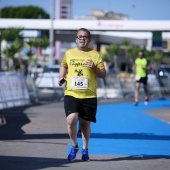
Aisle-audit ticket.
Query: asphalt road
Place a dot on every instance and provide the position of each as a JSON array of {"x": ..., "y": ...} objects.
[{"x": 35, "y": 137}]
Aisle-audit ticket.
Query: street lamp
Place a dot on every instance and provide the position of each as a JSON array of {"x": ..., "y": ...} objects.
[
  {"x": 0, "y": 43},
  {"x": 0, "y": 51},
  {"x": 51, "y": 34}
]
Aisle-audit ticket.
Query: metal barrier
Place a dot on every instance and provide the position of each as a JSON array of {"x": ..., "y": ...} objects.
[
  {"x": 46, "y": 94},
  {"x": 154, "y": 87},
  {"x": 164, "y": 85},
  {"x": 110, "y": 87},
  {"x": 127, "y": 84},
  {"x": 33, "y": 91},
  {"x": 123, "y": 86},
  {"x": 113, "y": 86},
  {"x": 13, "y": 90}
]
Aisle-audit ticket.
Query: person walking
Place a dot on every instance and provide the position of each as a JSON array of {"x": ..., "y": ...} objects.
[
  {"x": 141, "y": 67},
  {"x": 80, "y": 67}
]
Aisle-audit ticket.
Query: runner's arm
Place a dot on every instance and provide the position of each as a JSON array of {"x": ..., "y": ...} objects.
[
  {"x": 63, "y": 73},
  {"x": 99, "y": 72}
]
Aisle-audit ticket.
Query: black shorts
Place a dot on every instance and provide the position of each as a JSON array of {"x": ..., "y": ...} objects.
[
  {"x": 86, "y": 108},
  {"x": 142, "y": 80}
]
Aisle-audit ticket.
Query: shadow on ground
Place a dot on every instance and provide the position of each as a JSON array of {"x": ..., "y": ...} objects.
[
  {"x": 14, "y": 162},
  {"x": 11, "y": 122}
]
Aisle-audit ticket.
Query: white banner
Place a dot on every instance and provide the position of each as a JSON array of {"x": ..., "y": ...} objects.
[{"x": 13, "y": 90}]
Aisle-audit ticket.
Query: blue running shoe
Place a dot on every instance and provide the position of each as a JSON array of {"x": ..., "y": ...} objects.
[
  {"x": 85, "y": 156},
  {"x": 135, "y": 103},
  {"x": 73, "y": 153},
  {"x": 146, "y": 100}
]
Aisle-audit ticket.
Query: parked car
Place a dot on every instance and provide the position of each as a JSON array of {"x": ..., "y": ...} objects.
[
  {"x": 164, "y": 71},
  {"x": 163, "y": 76},
  {"x": 48, "y": 78}
]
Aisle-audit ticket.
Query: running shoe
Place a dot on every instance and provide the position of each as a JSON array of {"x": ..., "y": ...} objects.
[
  {"x": 85, "y": 155},
  {"x": 135, "y": 103},
  {"x": 73, "y": 153},
  {"x": 146, "y": 101}
]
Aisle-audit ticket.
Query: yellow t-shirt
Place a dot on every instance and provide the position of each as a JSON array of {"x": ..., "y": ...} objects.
[
  {"x": 81, "y": 80},
  {"x": 141, "y": 64}
]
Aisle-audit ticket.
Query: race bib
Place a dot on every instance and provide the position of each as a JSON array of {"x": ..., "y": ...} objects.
[
  {"x": 79, "y": 82},
  {"x": 137, "y": 77}
]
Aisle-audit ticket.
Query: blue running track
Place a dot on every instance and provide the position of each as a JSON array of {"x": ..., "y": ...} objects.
[{"x": 124, "y": 129}]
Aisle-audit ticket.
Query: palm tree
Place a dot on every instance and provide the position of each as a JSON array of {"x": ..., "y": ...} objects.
[
  {"x": 106, "y": 57},
  {"x": 11, "y": 33},
  {"x": 10, "y": 53},
  {"x": 126, "y": 45},
  {"x": 113, "y": 50},
  {"x": 38, "y": 43},
  {"x": 157, "y": 58},
  {"x": 44, "y": 43},
  {"x": 132, "y": 52},
  {"x": 14, "y": 39}
]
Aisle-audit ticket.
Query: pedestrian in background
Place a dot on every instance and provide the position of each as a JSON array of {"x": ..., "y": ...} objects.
[
  {"x": 141, "y": 67},
  {"x": 82, "y": 66}
]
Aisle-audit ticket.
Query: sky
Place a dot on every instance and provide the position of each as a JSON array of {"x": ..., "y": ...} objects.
[{"x": 134, "y": 9}]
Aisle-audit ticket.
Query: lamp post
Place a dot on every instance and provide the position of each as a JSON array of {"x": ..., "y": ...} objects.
[
  {"x": 0, "y": 44},
  {"x": 0, "y": 52},
  {"x": 51, "y": 57}
]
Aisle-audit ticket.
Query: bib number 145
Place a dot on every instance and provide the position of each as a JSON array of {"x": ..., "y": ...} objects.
[{"x": 79, "y": 82}]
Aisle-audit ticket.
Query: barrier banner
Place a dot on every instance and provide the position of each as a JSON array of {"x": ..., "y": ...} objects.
[
  {"x": 5, "y": 86},
  {"x": 3, "y": 103},
  {"x": 25, "y": 93},
  {"x": 13, "y": 90}
]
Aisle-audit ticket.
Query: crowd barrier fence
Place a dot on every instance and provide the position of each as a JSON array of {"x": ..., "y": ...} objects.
[{"x": 13, "y": 90}]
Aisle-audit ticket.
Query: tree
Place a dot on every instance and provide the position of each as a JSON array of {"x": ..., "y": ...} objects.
[
  {"x": 126, "y": 44},
  {"x": 11, "y": 33},
  {"x": 106, "y": 57},
  {"x": 133, "y": 52},
  {"x": 37, "y": 43},
  {"x": 27, "y": 12},
  {"x": 15, "y": 42},
  {"x": 157, "y": 58},
  {"x": 113, "y": 50}
]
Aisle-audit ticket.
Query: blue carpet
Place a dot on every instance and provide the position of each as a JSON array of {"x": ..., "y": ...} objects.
[{"x": 124, "y": 129}]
